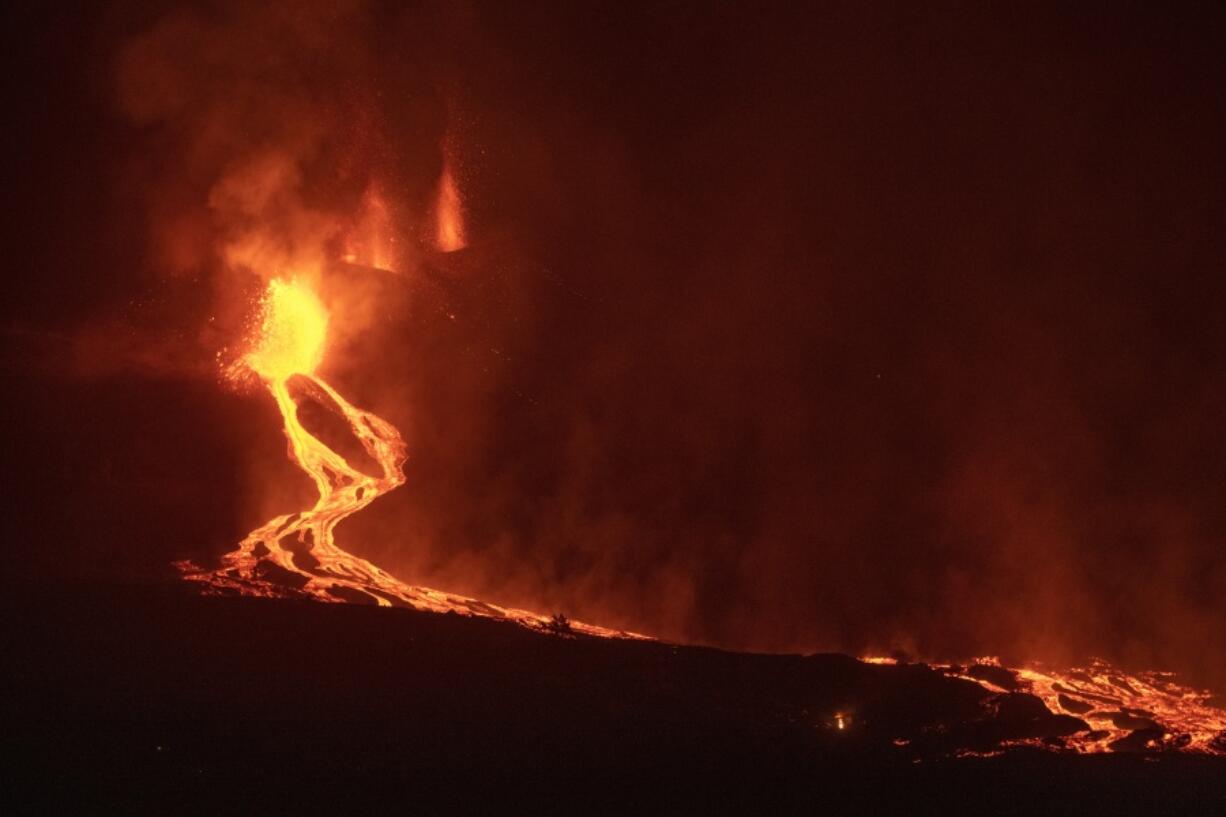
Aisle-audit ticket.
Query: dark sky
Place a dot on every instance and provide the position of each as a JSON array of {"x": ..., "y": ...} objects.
[{"x": 848, "y": 327}]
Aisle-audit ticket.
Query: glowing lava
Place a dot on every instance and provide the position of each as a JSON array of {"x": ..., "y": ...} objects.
[
  {"x": 296, "y": 554},
  {"x": 1141, "y": 711},
  {"x": 291, "y": 335},
  {"x": 1146, "y": 711}
]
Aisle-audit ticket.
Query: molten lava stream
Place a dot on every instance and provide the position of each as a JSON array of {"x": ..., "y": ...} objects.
[
  {"x": 1142, "y": 711},
  {"x": 343, "y": 490},
  {"x": 297, "y": 553},
  {"x": 1151, "y": 706}
]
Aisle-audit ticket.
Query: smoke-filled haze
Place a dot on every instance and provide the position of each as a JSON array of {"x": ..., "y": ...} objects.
[{"x": 851, "y": 327}]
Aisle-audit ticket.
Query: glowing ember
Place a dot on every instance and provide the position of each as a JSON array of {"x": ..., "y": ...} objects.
[{"x": 296, "y": 554}]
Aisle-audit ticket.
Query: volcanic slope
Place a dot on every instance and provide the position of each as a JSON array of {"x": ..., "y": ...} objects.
[{"x": 151, "y": 699}]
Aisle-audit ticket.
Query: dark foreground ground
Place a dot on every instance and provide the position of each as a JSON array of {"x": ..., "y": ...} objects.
[{"x": 148, "y": 700}]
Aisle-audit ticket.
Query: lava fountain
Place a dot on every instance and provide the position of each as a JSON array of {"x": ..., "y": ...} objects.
[
  {"x": 296, "y": 554},
  {"x": 448, "y": 214}
]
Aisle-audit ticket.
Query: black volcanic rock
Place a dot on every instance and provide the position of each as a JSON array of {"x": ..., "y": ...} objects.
[
  {"x": 1073, "y": 705},
  {"x": 323, "y": 418},
  {"x": 1128, "y": 720},
  {"x": 351, "y": 595},
  {"x": 1020, "y": 708},
  {"x": 1010, "y": 716},
  {"x": 1000, "y": 676},
  {"x": 1139, "y": 740},
  {"x": 153, "y": 700},
  {"x": 273, "y": 572}
]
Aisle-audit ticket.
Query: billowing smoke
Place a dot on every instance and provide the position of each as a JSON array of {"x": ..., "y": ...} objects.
[
  {"x": 268, "y": 148},
  {"x": 255, "y": 111}
]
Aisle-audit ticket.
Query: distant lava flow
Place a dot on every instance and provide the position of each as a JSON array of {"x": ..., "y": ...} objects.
[
  {"x": 1145, "y": 712},
  {"x": 296, "y": 555}
]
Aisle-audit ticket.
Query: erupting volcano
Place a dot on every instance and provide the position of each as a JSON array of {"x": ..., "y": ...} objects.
[
  {"x": 296, "y": 554},
  {"x": 769, "y": 338}
]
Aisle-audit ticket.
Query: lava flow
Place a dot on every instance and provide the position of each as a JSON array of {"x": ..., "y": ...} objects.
[
  {"x": 296, "y": 554},
  {"x": 1126, "y": 711},
  {"x": 1143, "y": 711}
]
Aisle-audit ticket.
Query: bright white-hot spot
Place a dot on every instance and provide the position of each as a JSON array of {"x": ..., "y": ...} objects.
[{"x": 291, "y": 335}]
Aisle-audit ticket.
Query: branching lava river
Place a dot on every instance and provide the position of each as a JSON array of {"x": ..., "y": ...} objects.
[{"x": 296, "y": 554}]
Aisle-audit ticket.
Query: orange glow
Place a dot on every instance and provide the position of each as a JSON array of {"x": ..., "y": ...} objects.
[
  {"x": 449, "y": 214},
  {"x": 371, "y": 241},
  {"x": 296, "y": 554}
]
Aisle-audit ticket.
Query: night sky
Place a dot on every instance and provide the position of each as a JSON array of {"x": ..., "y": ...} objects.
[{"x": 857, "y": 327}]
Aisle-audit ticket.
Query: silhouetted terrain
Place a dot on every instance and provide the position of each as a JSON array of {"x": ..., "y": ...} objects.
[{"x": 145, "y": 699}]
